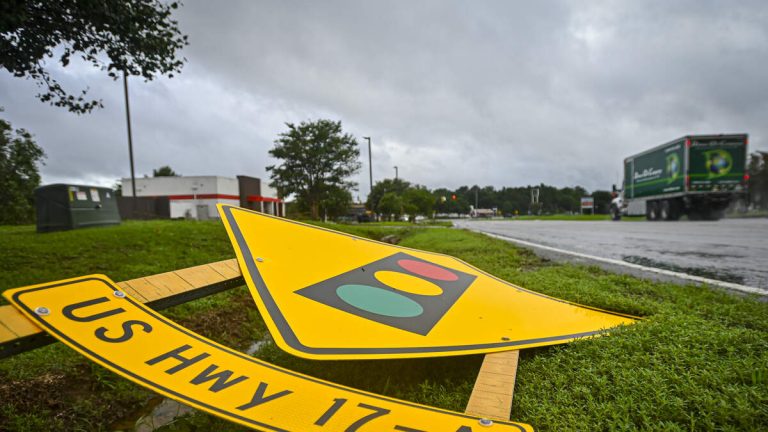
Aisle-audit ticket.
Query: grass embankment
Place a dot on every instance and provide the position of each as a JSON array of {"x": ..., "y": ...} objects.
[
  {"x": 424, "y": 223},
  {"x": 699, "y": 361}
]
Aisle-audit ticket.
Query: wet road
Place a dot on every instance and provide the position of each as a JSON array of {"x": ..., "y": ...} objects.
[{"x": 730, "y": 250}]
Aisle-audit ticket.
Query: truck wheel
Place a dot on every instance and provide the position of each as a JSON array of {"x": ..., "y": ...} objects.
[
  {"x": 665, "y": 210},
  {"x": 615, "y": 213},
  {"x": 651, "y": 211}
]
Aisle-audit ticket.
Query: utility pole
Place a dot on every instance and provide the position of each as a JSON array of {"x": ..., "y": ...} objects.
[
  {"x": 476, "y": 188},
  {"x": 395, "y": 172},
  {"x": 370, "y": 164},
  {"x": 535, "y": 200},
  {"x": 130, "y": 141}
]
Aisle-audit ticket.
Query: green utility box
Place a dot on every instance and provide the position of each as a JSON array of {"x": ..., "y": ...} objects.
[{"x": 64, "y": 207}]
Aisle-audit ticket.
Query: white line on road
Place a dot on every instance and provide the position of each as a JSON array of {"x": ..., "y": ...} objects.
[{"x": 684, "y": 276}]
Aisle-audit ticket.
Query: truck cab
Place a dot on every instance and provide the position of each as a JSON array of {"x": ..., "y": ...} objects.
[{"x": 617, "y": 203}]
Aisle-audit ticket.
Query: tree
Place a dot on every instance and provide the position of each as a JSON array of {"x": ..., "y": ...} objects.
[
  {"x": 418, "y": 201},
  {"x": 391, "y": 204},
  {"x": 137, "y": 37},
  {"x": 603, "y": 200},
  {"x": 19, "y": 176},
  {"x": 317, "y": 159},
  {"x": 381, "y": 188},
  {"x": 337, "y": 203},
  {"x": 164, "y": 171}
]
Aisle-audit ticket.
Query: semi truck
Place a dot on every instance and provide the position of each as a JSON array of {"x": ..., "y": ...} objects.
[{"x": 698, "y": 176}]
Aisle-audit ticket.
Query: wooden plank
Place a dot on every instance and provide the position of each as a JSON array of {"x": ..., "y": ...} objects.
[
  {"x": 200, "y": 275},
  {"x": 232, "y": 264},
  {"x": 494, "y": 387},
  {"x": 145, "y": 290},
  {"x": 6, "y": 334},
  {"x": 19, "y": 334},
  {"x": 168, "y": 284},
  {"x": 224, "y": 269},
  {"x": 16, "y": 322},
  {"x": 131, "y": 291}
]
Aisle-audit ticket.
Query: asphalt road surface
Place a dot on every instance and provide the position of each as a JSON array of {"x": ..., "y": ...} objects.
[{"x": 729, "y": 250}]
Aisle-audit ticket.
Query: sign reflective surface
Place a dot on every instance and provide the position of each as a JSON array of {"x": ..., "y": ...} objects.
[
  {"x": 92, "y": 316},
  {"x": 330, "y": 295}
]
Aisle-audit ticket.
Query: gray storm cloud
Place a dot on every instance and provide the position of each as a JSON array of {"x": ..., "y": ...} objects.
[{"x": 489, "y": 93}]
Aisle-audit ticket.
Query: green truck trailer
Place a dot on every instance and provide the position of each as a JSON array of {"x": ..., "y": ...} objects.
[{"x": 697, "y": 175}]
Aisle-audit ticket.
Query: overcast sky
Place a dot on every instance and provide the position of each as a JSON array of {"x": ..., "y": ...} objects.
[{"x": 502, "y": 93}]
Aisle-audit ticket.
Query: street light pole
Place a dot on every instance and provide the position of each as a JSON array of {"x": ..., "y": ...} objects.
[
  {"x": 130, "y": 140},
  {"x": 395, "y": 172},
  {"x": 370, "y": 163}
]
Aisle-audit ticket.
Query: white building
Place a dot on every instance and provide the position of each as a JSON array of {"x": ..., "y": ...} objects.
[{"x": 196, "y": 196}]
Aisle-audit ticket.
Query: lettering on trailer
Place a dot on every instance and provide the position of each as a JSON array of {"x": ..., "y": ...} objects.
[
  {"x": 91, "y": 315},
  {"x": 330, "y": 295},
  {"x": 648, "y": 174}
]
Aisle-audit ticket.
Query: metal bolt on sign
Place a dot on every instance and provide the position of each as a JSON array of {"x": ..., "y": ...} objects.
[
  {"x": 119, "y": 294},
  {"x": 260, "y": 259},
  {"x": 42, "y": 311},
  {"x": 485, "y": 422}
]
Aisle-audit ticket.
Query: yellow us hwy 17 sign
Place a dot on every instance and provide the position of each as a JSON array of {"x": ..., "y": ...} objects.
[
  {"x": 92, "y": 315},
  {"x": 330, "y": 295}
]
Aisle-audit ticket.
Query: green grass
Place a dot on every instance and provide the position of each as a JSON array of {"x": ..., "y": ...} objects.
[
  {"x": 698, "y": 361},
  {"x": 127, "y": 251},
  {"x": 749, "y": 214},
  {"x": 424, "y": 223}
]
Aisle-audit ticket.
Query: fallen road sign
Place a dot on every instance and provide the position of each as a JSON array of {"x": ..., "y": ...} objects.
[
  {"x": 331, "y": 295},
  {"x": 96, "y": 318}
]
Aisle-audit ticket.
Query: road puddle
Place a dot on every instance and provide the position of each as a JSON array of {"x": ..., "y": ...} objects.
[
  {"x": 695, "y": 271},
  {"x": 256, "y": 346},
  {"x": 156, "y": 413}
]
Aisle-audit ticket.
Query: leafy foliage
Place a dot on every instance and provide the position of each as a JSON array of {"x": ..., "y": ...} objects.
[
  {"x": 395, "y": 186},
  {"x": 317, "y": 159},
  {"x": 517, "y": 200},
  {"x": 164, "y": 171},
  {"x": 138, "y": 37},
  {"x": 19, "y": 176},
  {"x": 391, "y": 204},
  {"x": 419, "y": 201},
  {"x": 397, "y": 197}
]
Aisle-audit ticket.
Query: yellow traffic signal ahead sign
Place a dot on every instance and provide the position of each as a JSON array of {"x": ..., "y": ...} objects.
[
  {"x": 330, "y": 295},
  {"x": 94, "y": 317}
]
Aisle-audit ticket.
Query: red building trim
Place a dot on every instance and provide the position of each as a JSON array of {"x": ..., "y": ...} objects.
[
  {"x": 259, "y": 198},
  {"x": 204, "y": 196}
]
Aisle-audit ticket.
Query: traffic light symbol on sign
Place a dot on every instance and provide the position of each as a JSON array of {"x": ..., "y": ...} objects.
[{"x": 400, "y": 291}]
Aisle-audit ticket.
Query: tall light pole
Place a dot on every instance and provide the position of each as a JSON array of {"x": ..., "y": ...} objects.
[
  {"x": 395, "y": 172},
  {"x": 370, "y": 164},
  {"x": 130, "y": 140}
]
